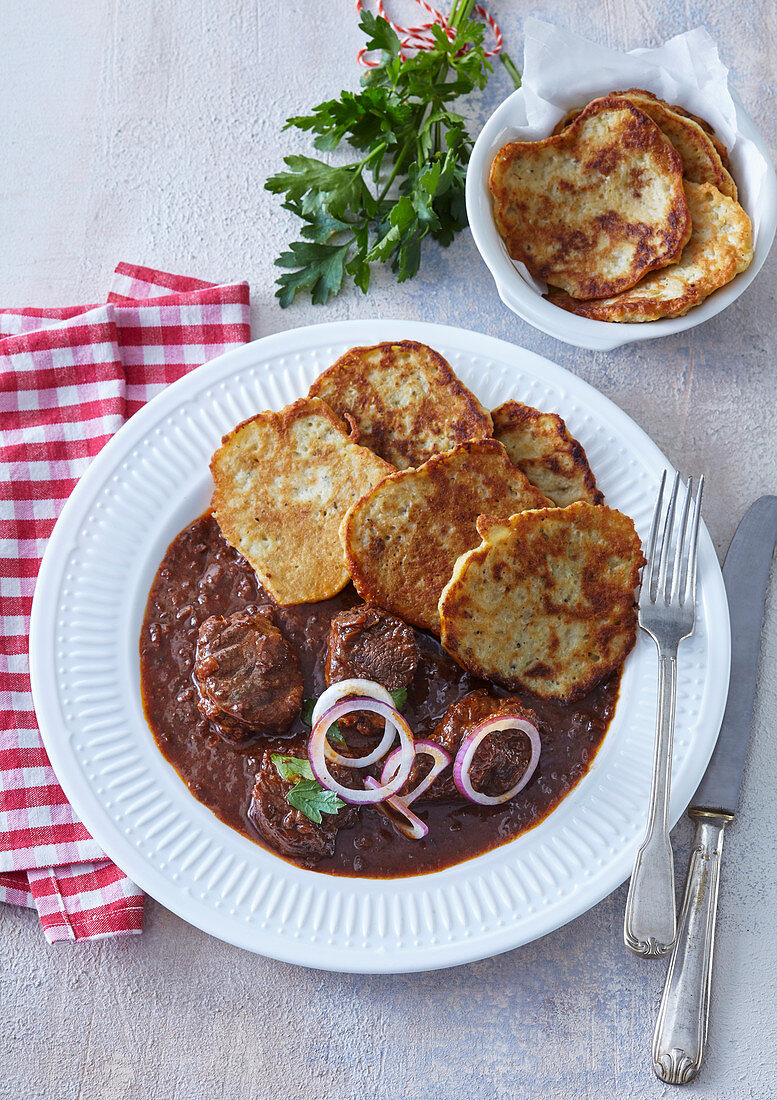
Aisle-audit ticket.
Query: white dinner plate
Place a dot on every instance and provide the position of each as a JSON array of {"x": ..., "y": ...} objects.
[{"x": 147, "y": 484}]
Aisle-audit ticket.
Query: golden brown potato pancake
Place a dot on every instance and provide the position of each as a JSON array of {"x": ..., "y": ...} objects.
[
  {"x": 404, "y": 400},
  {"x": 721, "y": 246},
  {"x": 403, "y": 537},
  {"x": 595, "y": 208},
  {"x": 539, "y": 444},
  {"x": 546, "y": 602},
  {"x": 284, "y": 481}
]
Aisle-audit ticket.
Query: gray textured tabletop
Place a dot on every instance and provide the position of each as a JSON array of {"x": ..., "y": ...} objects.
[{"x": 144, "y": 132}]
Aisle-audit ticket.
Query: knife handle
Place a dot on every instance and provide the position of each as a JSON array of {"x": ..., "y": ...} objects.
[{"x": 681, "y": 1029}]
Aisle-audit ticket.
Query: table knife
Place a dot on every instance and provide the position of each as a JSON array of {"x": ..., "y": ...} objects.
[{"x": 681, "y": 1030}]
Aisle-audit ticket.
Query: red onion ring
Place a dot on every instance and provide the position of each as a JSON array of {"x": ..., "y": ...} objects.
[
  {"x": 403, "y": 818},
  {"x": 441, "y": 760},
  {"x": 469, "y": 746},
  {"x": 356, "y": 689},
  {"x": 408, "y": 823},
  {"x": 318, "y": 742}
]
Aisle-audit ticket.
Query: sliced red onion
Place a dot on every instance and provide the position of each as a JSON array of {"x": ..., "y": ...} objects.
[
  {"x": 469, "y": 746},
  {"x": 317, "y": 753},
  {"x": 441, "y": 760},
  {"x": 356, "y": 689},
  {"x": 402, "y": 817}
]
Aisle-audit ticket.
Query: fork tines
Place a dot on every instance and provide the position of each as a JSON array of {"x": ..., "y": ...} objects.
[{"x": 675, "y": 582}]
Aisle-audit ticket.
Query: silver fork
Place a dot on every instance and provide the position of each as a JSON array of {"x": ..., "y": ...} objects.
[{"x": 667, "y": 603}]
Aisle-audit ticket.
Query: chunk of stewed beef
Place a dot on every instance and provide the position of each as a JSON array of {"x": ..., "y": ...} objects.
[
  {"x": 500, "y": 759},
  {"x": 248, "y": 676},
  {"x": 286, "y": 830},
  {"x": 367, "y": 643}
]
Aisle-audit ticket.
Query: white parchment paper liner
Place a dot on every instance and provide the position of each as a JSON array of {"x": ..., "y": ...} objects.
[{"x": 561, "y": 70}]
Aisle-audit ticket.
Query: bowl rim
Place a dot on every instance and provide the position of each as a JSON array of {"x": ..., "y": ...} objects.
[{"x": 522, "y": 298}]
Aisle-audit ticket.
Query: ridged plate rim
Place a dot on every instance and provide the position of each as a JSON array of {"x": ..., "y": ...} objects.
[{"x": 235, "y": 890}]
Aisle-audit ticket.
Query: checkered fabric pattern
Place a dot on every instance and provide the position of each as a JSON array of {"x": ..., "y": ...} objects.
[{"x": 68, "y": 380}]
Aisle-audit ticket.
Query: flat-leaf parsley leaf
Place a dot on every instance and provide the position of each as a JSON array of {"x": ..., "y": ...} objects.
[
  {"x": 291, "y": 767},
  {"x": 334, "y": 734},
  {"x": 400, "y": 697},
  {"x": 312, "y": 800},
  {"x": 307, "y": 795},
  {"x": 408, "y": 185}
]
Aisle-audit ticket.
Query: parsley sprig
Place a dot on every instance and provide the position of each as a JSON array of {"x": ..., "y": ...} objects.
[
  {"x": 311, "y": 799},
  {"x": 409, "y": 183},
  {"x": 307, "y": 795}
]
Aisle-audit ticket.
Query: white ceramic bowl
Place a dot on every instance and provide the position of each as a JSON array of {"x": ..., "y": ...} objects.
[{"x": 523, "y": 295}]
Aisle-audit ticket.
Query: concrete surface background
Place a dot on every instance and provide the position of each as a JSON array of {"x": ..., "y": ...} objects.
[{"x": 144, "y": 131}]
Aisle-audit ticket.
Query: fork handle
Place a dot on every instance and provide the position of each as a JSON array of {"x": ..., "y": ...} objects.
[{"x": 649, "y": 927}]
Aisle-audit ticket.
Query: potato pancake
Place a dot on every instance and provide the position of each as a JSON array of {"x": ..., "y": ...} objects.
[
  {"x": 546, "y": 602},
  {"x": 404, "y": 400},
  {"x": 721, "y": 246},
  {"x": 403, "y": 537},
  {"x": 595, "y": 208},
  {"x": 539, "y": 444},
  {"x": 284, "y": 481}
]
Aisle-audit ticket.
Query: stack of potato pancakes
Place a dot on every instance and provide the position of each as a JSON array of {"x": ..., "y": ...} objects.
[
  {"x": 485, "y": 529},
  {"x": 627, "y": 211}
]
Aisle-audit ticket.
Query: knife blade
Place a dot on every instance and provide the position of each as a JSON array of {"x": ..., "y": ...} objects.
[
  {"x": 681, "y": 1029},
  {"x": 746, "y": 576}
]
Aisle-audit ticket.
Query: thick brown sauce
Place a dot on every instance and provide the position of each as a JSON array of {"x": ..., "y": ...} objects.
[{"x": 201, "y": 576}]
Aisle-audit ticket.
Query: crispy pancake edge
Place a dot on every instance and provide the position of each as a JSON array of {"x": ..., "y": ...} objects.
[
  {"x": 462, "y": 416},
  {"x": 492, "y": 532},
  {"x": 513, "y": 414},
  {"x": 708, "y": 130}
]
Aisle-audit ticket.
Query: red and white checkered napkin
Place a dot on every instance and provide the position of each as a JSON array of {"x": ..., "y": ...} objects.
[{"x": 69, "y": 378}]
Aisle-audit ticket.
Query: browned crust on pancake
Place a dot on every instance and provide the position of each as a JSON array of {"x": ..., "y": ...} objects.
[
  {"x": 709, "y": 130},
  {"x": 567, "y": 247},
  {"x": 720, "y": 148},
  {"x": 405, "y": 401},
  {"x": 719, "y": 249},
  {"x": 283, "y": 419},
  {"x": 698, "y": 149},
  {"x": 546, "y": 602},
  {"x": 283, "y": 482},
  {"x": 402, "y": 538},
  {"x": 564, "y": 461},
  {"x": 701, "y": 161}
]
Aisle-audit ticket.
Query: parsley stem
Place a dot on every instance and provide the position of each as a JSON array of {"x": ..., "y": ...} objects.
[
  {"x": 399, "y": 162},
  {"x": 509, "y": 64},
  {"x": 381, "y": 148},
  {"x": 460, "y": 12}
]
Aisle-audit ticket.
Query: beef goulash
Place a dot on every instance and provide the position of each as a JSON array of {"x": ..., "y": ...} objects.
[{"x": 414, "y": 723}]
